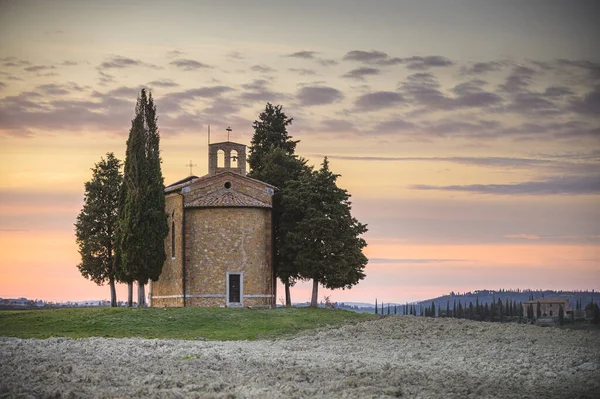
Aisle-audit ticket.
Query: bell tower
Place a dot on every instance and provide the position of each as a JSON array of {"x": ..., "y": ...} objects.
[{"x": 233, "y": 158}]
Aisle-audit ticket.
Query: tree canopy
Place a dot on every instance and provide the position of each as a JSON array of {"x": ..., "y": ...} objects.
[
  {"x": 322, "y": 237},
  {"x": 96, "y": 223},
  {"x": 142, "y": 222},
  {"x": 272, "y": 160}
]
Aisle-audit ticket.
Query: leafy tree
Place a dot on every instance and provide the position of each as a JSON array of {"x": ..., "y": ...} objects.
[
  {"x": 97, "y": 222},
  {"x": 272, "y": 160},
  {"x": 142, "y": 222},
  {"x": 322, "y": 237}
]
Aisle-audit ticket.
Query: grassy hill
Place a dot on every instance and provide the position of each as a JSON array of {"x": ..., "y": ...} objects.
[{"x": 177, "y": 323}]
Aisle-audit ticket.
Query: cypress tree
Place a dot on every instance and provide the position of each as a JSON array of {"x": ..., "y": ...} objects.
[
  {"x": 561, "y": 315},
  {"x": 142, "y": 222},
  {"x": 539, "y": 310},
  {"x": 375, "y": 305}
]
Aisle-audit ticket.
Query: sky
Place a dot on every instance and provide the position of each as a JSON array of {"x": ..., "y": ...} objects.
[{"x": 467, "y": 132}]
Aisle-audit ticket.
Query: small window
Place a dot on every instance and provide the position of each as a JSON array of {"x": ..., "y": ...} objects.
[
  {"x": 227, "y": 185},
  {"x": 173, "y": 239}
]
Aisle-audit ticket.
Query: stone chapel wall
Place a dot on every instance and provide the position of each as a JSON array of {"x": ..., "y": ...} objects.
[
  {"x": 170, "y": 284},
  {"x": 221, "y": 240}
]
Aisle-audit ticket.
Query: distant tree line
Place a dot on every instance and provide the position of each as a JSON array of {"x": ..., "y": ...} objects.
[{"x": 499, "y": 310}]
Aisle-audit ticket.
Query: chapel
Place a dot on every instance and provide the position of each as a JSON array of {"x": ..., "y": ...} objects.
[{"x": 219, "y": 247}]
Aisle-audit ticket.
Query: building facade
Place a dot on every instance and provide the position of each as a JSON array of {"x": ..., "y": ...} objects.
[
  {"x": 549, "y": 307},
  {"x": 219, "y": 247}
]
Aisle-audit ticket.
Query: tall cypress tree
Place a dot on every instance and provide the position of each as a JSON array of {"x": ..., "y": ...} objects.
[{"x": 142, "y": 226}]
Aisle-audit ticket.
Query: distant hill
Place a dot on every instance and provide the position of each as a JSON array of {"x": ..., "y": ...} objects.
[{"x": 483, "y": 296}]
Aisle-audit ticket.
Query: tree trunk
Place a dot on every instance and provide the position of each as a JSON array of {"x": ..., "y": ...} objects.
[
  {"x": 315, "y": 293},
  {"x": 141, "y": 302},
  {"x": 113, "y": 293},
  {"x": 288, "y": 297},
  {"x": 130, "y": 294}
]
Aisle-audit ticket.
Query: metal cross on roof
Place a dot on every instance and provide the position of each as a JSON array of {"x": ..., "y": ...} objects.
[
  {"x": 191, "y": 165},
  {"x": 229, "y": 129}
]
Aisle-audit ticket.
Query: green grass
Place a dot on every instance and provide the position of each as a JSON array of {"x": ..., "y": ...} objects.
[{"x": 174, "y": 323}]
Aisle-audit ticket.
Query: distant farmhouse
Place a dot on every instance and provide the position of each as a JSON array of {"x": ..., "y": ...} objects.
[
  {"x": 550, "y": 307},
  {"x": 219, "y": 247}
]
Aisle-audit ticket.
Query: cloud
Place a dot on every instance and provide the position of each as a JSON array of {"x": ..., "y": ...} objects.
[
  {"x": 13, "y": 62},
  {"x": 479, "y": 68},
  {"x": 105, "y": 79},
  {"x": 326, "y": 62},
  {"x": 523, "y": 236},
  {"x": 561, "y": 185},
  {"x": 119, "y": 62},
  {"x": 360, "y": 73},
  {"x": 488, "y": 162},
  {"x": 189, "y": 65},
  {"x": 121, "y": 92},
  {"x": 589, "y": 104},
  {"x": 53, "y": 89},
  {"x": 236, "y": 55},
  {"x": 557, "y": 91},
  {"x": 337, "y": 126},
  {"x": 303, "y": 71},
  {"x": 318, "y": 95},
  {"x": 518, "y": 80},
  {"x": 162, "y": 83},
  {"x": 172, "y": 101},
  {"x": 175, "y": 54},
  {"x": 423, "y": 89},
  {"x": 592, "y": 68},
  {"x": 69, "y": 63},
  {"x": 39, "y": 68},
  {"x": 418, "y": 260},
  {"x": 533, "y": 103},
  {"x": 365, "y": 56},
  {"x": 393, "y": 126},
  {"x": 28, "y": 112},
  {"x": 258, "y": 90},
  {"x": 378, "y": 100},
  {"x": 427, "y": 62},
  {"x": 262, "y": 68},
  {"x": 308, "y": 55},
  {"x": 546, "y": 237},
  {"x": 2, "y": 85}
]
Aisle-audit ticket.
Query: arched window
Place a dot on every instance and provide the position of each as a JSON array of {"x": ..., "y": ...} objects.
[
  {"x": 234, "y": 158},
  {"x": 220, "y": 159},
  {"x": 173, "y": 239}
]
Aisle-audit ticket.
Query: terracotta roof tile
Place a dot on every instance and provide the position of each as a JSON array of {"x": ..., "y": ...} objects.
[{"x": 227, "y": 198}]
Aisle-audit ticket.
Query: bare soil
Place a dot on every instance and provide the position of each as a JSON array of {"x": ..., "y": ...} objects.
[{"x": 394, "y": 356}]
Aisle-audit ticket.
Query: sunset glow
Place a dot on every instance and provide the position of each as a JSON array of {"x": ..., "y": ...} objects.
[{"x": 468, "y": 133}]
